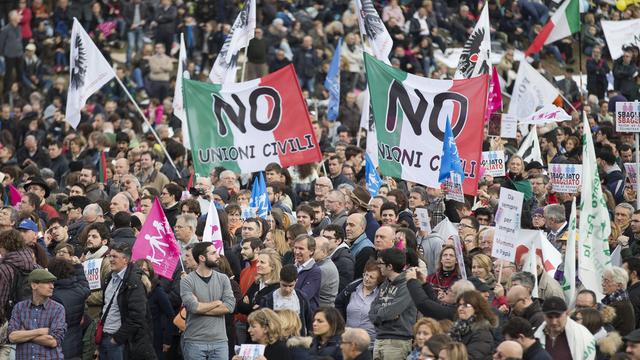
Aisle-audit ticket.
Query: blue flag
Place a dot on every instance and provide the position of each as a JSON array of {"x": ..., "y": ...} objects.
[
  {"x": 332, "y": 84},
  {"x": 450, "y": 158},
  {"x": 259, "y": 197},
  {"x": 373, "y": 179}
]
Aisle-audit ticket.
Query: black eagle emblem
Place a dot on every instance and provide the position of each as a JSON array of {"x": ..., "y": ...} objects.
[
  {"x": 373, "y": 25},
  {"x": 471, "y": 54},
  {"x": 243, "y": 17},
  {"x": 79, "y": 66}
]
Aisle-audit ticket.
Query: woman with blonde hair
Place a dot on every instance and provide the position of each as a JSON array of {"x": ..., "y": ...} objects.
[
  {"x": 454, "y": 351},
  {"x": 423, "y": 330},
  {"x": 267, "y": 280},
  {"x": 290, "y": 321},
  {"x": 482, "y": 268},
  {"x": 276, "y": 239},
  {"x": 265, "y": 328}
]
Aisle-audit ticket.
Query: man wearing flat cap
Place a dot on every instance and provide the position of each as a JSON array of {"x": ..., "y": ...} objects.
[
  {"x": 633, "y": 344},
  {"x": 38, "y": 325},
  {"x": 561, "y": 336}
]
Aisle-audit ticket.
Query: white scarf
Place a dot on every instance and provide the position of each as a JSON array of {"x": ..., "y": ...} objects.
[{"x": 581, "y": 342}]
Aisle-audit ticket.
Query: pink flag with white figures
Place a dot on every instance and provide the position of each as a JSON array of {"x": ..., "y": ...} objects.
[
  {"x": 494, "y": 101},
  {"x": 157, "y": 243},
  {"x": 212, "y": 232}
]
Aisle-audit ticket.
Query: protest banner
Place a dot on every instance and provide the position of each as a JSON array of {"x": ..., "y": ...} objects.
[
  {"x": 627, "y": 117},
  {"x": 565, "y": 178},
  {"x": 507, "y": 224},
  {"x": 410, "y": 114},
  {"x": 493, "y": 163},
  {"x": 245, "y": 126},
  {"x": 619, "y": 34},
  {"x": 92, "y": 273}
]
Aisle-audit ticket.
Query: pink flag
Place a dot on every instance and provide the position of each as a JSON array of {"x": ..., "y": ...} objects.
[
  {"x": 494, "y": 100},
  {"x": 156, "y": 243},
  {"x": 212, "y": 231},
  {"x": 14, "y": 195}
]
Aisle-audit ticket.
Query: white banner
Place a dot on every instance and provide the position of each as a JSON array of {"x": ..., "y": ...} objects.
[
  {"x": 507, "y": 224},
  {"x": 92, "y": 273},
  {"x": 493, "y": 163},
  {"x": 548, "y": 113},
  {"x": 565, "y": 178},
  {"x": 619, "y": 34},
  {"x": 627, "y": 116},
  {"x": 531, "y": 91}
]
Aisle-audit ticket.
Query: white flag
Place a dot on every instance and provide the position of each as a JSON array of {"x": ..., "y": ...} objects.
[
  {"x": 89, "y": 71},
  {"x": 620, "y": 34},
  {"x": 243, "y": 30},
  {"x": 569, "y": 285},
  {"x": 373, "y": 29},
  {"x": 476, "y": 54},
  {"x": 178, "y": 103},
  {"x": 595, "y": 225},
  {"x": 548, "y": 113},
  {"x": 530, "y": 147},
  {"x": 212, "y": 231},
  {"x": 531, "y": 91}
]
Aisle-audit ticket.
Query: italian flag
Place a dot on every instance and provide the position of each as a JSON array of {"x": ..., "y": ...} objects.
[
  {"x": 245, "y": 126},
  {"x": 102, "y": 171},
  {"x": 564, "y": 22}
]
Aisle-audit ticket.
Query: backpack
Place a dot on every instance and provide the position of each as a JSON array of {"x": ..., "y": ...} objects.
[{"x": 20, "y": 290}]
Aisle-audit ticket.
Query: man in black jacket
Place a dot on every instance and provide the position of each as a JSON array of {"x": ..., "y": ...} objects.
[
  {"x": 632, "y": 265},
  {"x": 125, "y": 315},
  {"x": 340, "y": 254},
  {"x": 521, "y": 331}
]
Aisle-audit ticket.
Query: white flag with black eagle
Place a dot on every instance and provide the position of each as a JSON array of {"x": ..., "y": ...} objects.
[
  {"x": 476, "y": 54},
  {"x": 243, "y": 30},
  {"x": 530, "y": 147},
  {"x": 373, "y": 29},
  {"x": 89, "y": 71},
  {"x": 178, "y": 102}
]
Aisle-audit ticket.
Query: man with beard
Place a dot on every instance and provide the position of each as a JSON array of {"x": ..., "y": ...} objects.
[
  {"x": 97, "y": 239},
  {"x": 207, "y": 296}
]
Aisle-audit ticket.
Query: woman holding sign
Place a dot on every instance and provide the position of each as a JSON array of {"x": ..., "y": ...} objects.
[{"x": 265, "y": 328}]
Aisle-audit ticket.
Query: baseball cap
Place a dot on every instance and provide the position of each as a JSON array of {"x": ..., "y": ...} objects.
[
  {"x": 28, "y": 224},
  {"x": 41, "y": 276},
  {"x": 554, "y": 305}
]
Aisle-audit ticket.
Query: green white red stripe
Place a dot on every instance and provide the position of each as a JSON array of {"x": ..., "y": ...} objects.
[{"x": 564, "y": 22}]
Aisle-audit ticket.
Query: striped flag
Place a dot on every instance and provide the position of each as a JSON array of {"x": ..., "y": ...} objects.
[
  {"x": 102, "y": 171},
  {"x": 530, "y": 147},
  {"x": 564, "y": 22}
]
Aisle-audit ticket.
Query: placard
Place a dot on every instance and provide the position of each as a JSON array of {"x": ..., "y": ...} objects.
[
  {"x": 507, "y": 224},
  {"x": 453, "y": 188},
  {"x": 92, "y": 273},
  {"x": 251, "y": 351},
  {"x": 509, "y": 128},
  {"x": 627, "y": 117},
  {"x": 632, "y": 174},
  {"x": 423, "y": 218},
  {"x": 493, "y": 163},
  {"x": 565, "y": 178}
]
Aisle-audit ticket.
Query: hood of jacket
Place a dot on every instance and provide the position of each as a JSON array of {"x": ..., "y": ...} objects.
[{"x": 610, "y": 344}]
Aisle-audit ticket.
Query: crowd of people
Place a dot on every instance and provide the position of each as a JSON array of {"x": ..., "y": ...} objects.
[{"x": 331, "y": 272}]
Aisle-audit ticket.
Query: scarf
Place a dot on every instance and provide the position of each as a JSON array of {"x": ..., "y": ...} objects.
[
  {"x": 98, "y": 254},
  {"x": 461, "y": 328},
  {"x": 616, "y": 296}
]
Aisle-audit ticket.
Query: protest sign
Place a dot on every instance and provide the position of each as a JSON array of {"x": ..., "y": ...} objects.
[
  {"x": 92, "y": 273},
  {"x": 632, "y": 174},
  {"x": 423, "y": 219},
  {"x": 509, "y": 127},
  {"x": 507, "y": 224},
  {"x": 627, "y": 117},
  {"x": 453, "y": 188},
  {"x": 493, "y": 163},
  {"x": 565, "y": 178}
]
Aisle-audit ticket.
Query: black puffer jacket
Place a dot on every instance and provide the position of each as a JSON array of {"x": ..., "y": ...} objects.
[
  {"x": 72, "y": 293},
  {"x": 479, "y": 341},
  {"x": 330, "y": 349},
  {"x": 135, "y": 331}
]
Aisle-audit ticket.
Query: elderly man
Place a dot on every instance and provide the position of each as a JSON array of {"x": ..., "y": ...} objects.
[
  {"x": 556, "y": 222},
  {"x": 561, "y": 336},
  {"x": 229, "y": 180},
  {"x": 355, "y": 344},
  {"x": 361, "y": 247},
  {"x": 33, "y": 153},
  {"x": 622, "y": 217},
  {"x": 185, "y": 231},
  {"x": 120, "y": 202},
  {"x": 522, "y": 305},
  {"x": 330, "y": 278},
  {"x": 322, "y": 187},
  {"x": 335, "y": 204},
  {"x": 508, "y": 349},
  {"x": 385, "y": 238},
  {"x": 614, "y": 286},
  {"x": 11, "y": 49},
  {"x": 633, "y": 344}
]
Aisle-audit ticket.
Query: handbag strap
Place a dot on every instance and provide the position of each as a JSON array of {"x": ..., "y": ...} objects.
[{"x": 104, "y": 316}]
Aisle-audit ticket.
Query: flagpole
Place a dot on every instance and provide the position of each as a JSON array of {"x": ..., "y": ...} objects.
[
  {"x": 244, "y": 65},
  {"x": 155, "y": 134}
]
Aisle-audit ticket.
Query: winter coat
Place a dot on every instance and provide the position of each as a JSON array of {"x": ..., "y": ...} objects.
[
  {"x": 426, "y": 305},
  {"x": 624, "y": 79},
  {"x": 479, "y": 341},
  {"x": 634, "y": 297},
  {"x": 72, "y": 293},
  {"x": 123, "y": 235},
  {"x": 331, "y": 348},
  {"x": 625, "y": 319},
  {"x": 135, "y": 331},
  {"x": 299, "y": 347},
  {"x": 533, "y": 313},
  {"x": 345, "y": 263},
  {"x": 536, "y": 352},
  {"x": 255, "y": 295},
  {"x": 306, "y": 315},
  {"x": 392, "y": 312},
  {"x": 308, "y": 284},
  {"x": 162, "y": 314}
]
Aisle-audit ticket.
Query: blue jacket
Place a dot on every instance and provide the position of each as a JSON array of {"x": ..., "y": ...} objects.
[{"x": 308, "y": 284}]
